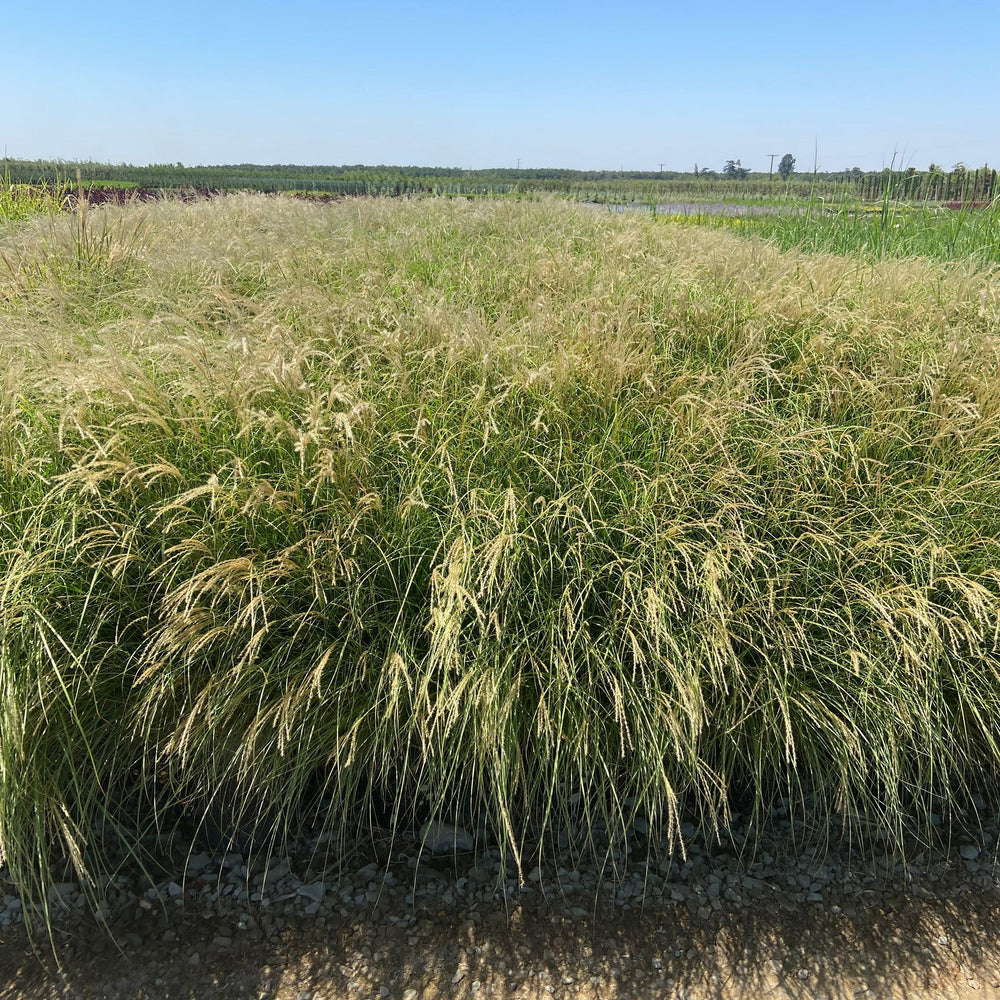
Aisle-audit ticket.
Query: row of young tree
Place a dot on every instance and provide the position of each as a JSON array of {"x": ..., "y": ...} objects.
[
  {"x": 960, "y": 184},
  {"x": 934, "y": 184}
]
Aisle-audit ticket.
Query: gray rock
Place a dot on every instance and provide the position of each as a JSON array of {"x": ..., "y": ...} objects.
[
  {"x": 197, "y": 863},
  {"x": 314, "y": 891},
  {"x": 275, "y": 873},
  {"x": 443, "y": 838},
  {"x": 969, "y": 851},
  {"x": 61, "y": 892}
]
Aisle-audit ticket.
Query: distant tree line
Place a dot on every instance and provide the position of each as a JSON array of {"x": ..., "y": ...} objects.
[{"x": 734, "y": 180}]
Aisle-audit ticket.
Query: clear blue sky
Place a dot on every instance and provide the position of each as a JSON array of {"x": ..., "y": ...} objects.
[{"x": 480, "y": 85}]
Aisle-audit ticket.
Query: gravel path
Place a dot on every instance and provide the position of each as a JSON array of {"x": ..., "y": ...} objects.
[{"x": 417, "y": 925}]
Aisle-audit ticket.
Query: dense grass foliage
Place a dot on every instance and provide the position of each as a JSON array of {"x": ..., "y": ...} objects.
[
  {"x": 525, "y": 514},
  {"x": 22, "y": 201},
  {"x": 893, "y": 229}
]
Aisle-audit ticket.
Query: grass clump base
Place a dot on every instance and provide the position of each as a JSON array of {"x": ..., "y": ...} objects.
[{"x": 510, "y": 513}]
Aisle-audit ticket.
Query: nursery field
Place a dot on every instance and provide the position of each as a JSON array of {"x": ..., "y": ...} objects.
[
  {"x": 541, "y": 520},
  {"x": 121, "y": 181},
  {"x": 847, "y": 227}
]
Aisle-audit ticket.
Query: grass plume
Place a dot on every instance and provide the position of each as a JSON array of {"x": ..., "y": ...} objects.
[{"x": 515, "y": 510}]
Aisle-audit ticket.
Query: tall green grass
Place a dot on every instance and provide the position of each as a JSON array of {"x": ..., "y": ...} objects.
[
  {"x": 849, "y": 227},
  {"x": 510, "y": 511},
  {"x": 22, "y": 201}
]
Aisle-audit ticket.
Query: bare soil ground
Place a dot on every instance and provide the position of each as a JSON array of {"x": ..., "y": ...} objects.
[{"x": 903, "y": 947}]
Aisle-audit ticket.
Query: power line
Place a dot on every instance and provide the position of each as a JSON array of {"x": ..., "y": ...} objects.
[{"x": 770, "y": 172}]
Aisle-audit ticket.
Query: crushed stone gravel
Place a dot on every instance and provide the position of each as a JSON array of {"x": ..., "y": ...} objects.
[{"x": 711, "y": 919}]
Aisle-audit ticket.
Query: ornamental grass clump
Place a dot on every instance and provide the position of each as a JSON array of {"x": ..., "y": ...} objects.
[{"x": 501, "y": 513}]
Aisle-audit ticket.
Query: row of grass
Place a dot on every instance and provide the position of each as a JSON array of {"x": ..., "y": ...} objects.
[
  {"x": 528, "y": 515},
  {"x": 619, "y": 187},
  {"x": 847, "y": 227},
  {"x": 798, "y": 216}
]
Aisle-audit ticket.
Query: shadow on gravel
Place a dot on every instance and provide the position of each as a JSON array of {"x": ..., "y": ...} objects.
[{"x": 903, "y": 947}]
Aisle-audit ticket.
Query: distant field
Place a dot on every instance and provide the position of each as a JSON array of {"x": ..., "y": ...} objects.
[
  {"x": 954, "y": 232},
  {"x": 523, "y": 515},
  {"x": 601, "y": 186}
]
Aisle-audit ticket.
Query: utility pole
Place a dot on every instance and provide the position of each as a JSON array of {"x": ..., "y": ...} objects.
[
  {"x": 770, "y": 172},
  {"x": 661, "y": 168},
  {"x": 519, "y": 163}
]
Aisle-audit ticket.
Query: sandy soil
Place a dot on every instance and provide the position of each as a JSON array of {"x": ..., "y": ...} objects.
[{"x": 901, "y": 947}]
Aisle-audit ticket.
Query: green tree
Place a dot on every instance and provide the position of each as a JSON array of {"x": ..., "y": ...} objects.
[
  {"x": 735, "y": 170},
  {"x": 786, "y": 166}
]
